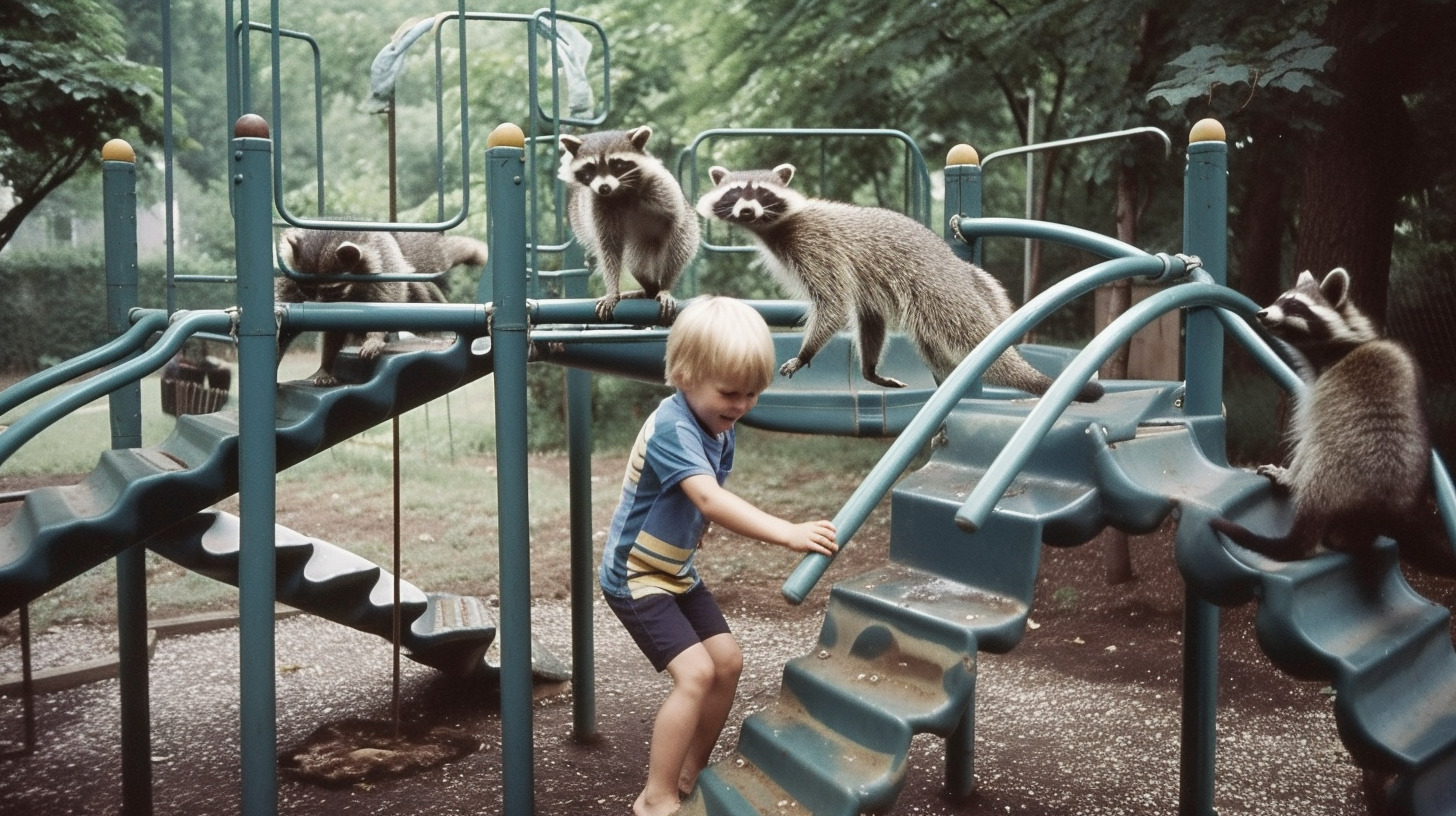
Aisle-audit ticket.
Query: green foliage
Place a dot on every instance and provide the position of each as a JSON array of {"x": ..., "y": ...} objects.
[
  {"x": 65, "y": 87},
  {"x": 55, "y": 304},
  {"x": 1295, "y": 65},
  {"x": 619, "y": 406}
]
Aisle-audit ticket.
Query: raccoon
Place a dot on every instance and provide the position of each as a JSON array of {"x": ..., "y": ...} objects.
[
  {"x": 1360, "y": 458},
  {"x": 875, "y": 267},
  {"x": 628, "y": 210},
  {"x": 326, "y": 253}
]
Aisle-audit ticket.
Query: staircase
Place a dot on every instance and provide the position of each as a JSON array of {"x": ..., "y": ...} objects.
[
  {"x": 897, "y": 653},
  {"x": 1356, "y": 625},
  {"x": 132, "y": 495},
  {"x": 447, "y": 632}
]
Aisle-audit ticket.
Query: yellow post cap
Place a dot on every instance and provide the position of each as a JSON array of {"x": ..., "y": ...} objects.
[
  {"x": 1207, "y": 130},
  {"x": 962, "y": 154},
  {"x": 506, "y": 135},
  {"x": 118, "y": 150}
]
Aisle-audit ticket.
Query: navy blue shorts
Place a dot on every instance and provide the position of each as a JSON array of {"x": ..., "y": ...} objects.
[{"x": 665, "y": 626}]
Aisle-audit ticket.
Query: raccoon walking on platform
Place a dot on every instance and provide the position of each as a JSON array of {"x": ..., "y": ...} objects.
[
  {"x": 875, "y": 267},
  {"x": 628, "y": 211},
  {"x": 1360, "y": 456},
  {"x": 326, "y": 254}
]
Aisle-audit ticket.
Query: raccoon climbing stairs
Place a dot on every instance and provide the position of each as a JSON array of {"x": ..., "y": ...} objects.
[
  {"x": 60, "y": 532},
  {"x": 896, "y": 655},
  {"x": 897, "y": 652},
  {"x": 447, "y": 632},
  {"x": 1354, "y": 623}
]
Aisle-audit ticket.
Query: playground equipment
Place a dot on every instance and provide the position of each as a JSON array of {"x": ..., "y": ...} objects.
[{"x": 897, "y": 651}]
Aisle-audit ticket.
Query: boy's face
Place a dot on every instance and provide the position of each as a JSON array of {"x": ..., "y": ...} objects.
[{"x": 717, "y": 404}]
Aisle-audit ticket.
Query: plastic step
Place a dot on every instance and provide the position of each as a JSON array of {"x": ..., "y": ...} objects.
[
  {"x": 929, "y": 606},
  {"x": 737, "y": 787},
  {"x": 1402, "y": 714},
  {"x": 820, "y": 768}
]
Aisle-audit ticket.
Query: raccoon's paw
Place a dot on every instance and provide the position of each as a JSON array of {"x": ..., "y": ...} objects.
[
  {"x": 606, "y": 305},
  {"x": 323, "y": 379},
  {"x": 887, "y": 382},
  {"x": 666, "y": 308},
  {"x": 371, "y": 348},
  {"x": 1273, "y": 473},
  {"x": 788, "y": 369}
]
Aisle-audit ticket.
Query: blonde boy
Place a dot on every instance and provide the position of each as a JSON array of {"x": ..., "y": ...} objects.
[{"x": 720, "y": 357}]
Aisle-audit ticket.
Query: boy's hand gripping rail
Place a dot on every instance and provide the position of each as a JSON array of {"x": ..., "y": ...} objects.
[{"x": 1131, "y": 263}]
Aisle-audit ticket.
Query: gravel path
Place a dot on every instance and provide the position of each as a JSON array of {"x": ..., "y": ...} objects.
[{"x": 1048, "y": 740}]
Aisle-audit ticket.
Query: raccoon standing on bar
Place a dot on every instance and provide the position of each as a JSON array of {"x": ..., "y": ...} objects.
[
  {"x": 876, "y": 268},
  {"x": 628, "y": 211},
  {"x": 1360, "y": 458},
  {"x": 327, "y": 253}
]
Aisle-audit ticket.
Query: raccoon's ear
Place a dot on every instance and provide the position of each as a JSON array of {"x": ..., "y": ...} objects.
[
  {"x": 570, "y": 144},
  {"x": 638, "y": 136},
  {"x": 288, "y": 247},
  {"x": 1336, "y": 286},
  {"x": 348, "y": 253},
  {"x": 717, "y": 174},
  {"x": 785, "y": 172},
  {"x": 1305, "y": 279}
]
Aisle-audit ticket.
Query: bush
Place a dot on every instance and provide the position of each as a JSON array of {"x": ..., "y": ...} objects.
[
  {"x": 619, "y": 407},
  {"x": 55, "y": 303}
]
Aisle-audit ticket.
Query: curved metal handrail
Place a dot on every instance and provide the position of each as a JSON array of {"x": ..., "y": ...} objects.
[
  {"x": 990, "y": 488},
  {"x": 928, "y": 420},
  {"x": 184, "y": 325},
  {"x": 1076, "y": 140},
  {"x": 146, "y": 322}
]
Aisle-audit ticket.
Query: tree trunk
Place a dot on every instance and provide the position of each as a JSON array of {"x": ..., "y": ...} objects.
[
  {"x": 1116, "y": 552},
  {"x": 1351, "y": 178},
  {"x": 1261, "y": 219}
]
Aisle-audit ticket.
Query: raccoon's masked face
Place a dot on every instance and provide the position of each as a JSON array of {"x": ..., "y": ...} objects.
[
  {"x": 748, "y": 203},
  {"x": 1313, "y": 312},
  {"x": 748, "y": 198},
  {"x": 1291, "y": 316},
  {"x": 347, "y": 258},
  {"x": 605, "y": 175}
]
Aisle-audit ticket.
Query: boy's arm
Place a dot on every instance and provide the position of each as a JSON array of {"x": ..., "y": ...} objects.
[{"x": 727, "y": 509}]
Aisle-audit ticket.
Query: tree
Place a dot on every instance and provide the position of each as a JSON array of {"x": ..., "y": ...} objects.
[
  {"x": 1322, "y": 96},
  {"x": 65, "y": 88}
]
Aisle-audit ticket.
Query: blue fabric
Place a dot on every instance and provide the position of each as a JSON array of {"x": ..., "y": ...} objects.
[{"x": 656, "y": 528}]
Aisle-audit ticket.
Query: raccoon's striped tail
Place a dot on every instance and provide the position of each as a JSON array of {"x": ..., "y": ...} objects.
[{"x": 1286, "y": 548}]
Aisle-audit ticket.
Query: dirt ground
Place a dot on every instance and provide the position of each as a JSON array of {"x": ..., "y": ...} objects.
[{"x": 1081, "y": 719}]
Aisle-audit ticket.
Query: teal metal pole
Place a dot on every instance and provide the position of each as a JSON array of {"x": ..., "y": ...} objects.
[
  {"x": 962, "y": 198},
  {"x": 583, "y": 567},
  {"x": 506, "y": 197},
  {"x": 1205, "y": 234},
  {"x": 118, "y": 189},
  {"x": 257, "y": 461}
]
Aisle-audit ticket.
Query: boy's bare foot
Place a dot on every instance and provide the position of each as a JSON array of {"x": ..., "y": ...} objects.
[{"x": 654, "y": 807}]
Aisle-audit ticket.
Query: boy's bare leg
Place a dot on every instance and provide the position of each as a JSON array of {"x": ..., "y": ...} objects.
[
  {"x": 727, "y": 666},
  {"x": 674, "y": 729}
]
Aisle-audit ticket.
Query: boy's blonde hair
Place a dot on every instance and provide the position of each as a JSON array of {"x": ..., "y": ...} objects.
[{"x": 723, "y": 339}]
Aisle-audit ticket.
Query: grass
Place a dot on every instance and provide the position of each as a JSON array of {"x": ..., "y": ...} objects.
[{"x": 448, "y": 500}]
